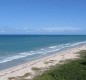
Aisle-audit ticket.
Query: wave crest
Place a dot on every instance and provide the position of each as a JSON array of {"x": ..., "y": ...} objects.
[{"x": 42, "y": 51}]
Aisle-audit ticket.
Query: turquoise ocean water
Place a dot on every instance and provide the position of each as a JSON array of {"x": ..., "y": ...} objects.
[{"x": 17, "y": 49}]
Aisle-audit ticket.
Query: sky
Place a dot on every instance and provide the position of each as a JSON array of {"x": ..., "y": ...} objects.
[{"x": 65, "y": 17}]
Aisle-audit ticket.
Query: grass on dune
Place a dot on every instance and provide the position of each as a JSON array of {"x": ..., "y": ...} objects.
[
  {"x": 20, "y": 77},
  {"x": 73, "y": 70}
]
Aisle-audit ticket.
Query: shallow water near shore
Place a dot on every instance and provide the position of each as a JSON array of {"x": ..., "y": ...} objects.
[{"x": 18, "y": 49}]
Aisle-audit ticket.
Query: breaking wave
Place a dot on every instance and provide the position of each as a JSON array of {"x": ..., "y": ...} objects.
[{"x": 42, "y": 51}]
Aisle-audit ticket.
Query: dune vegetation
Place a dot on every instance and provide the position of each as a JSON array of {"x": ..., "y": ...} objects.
[{"x": 72, "y": 70}]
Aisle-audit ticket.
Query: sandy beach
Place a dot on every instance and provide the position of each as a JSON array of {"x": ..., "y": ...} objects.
[{"x": 42, "y": 64}]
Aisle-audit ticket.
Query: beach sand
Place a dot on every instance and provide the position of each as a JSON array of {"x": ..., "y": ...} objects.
[{"x": 41, "y": 64}]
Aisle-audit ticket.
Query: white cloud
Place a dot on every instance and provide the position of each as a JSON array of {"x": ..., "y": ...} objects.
[
  {"x": 61, "y": 29},
  {"x": 2, "y": 31},
  {"x": 41, "y": 30}
]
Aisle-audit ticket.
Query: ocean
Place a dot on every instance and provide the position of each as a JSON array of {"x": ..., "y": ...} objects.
[{"x": 18, "y": 49}]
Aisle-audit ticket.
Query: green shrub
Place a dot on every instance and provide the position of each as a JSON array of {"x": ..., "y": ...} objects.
[{"x": 73, "y": 70}]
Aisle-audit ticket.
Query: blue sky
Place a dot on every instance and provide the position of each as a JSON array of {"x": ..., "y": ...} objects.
[{"x": 43, "y": 17}]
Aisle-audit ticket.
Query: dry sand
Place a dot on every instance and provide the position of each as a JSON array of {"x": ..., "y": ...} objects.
[{"x": 43, "y": 64}]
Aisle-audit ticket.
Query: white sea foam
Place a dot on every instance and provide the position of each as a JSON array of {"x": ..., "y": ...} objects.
[
  {"x": 41, "y": 51},
  {"x": 53, "y": 47},
  {"x": 21, "y": 55}
]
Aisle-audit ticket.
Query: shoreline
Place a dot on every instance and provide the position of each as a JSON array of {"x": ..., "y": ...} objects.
[{"x": 56, "y": 58}]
